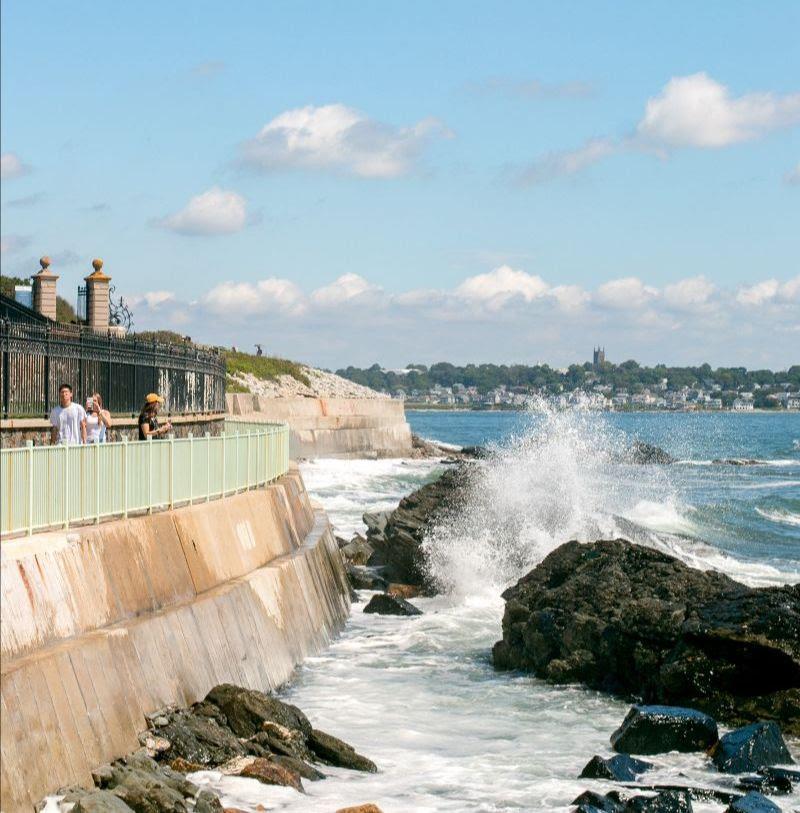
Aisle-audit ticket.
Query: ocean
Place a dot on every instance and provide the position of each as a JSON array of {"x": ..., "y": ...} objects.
[{"x": 420, "y": 696}]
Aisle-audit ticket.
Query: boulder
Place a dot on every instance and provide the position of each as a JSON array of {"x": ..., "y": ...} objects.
[
  {"x": 774, "y": 781},
  {"x": 333, "y": 751},
  {"x": 397, "y": 536},
  {"x": 403, "y": 590},
  {"x": 633, "y": 621},
  {"x": 200, "y": 740},
  {"x": 620, "y": 768},
  {"x": 659, "y": 729},
  {"x": 246, "y": 710},
  {"x": 645, "y": 453},
  {"x": 272, "y": 773},
  {"x": 100, "y": 801},
  {"x": 753, "y": 803},
  {"x": 357, "y": 551},
  {"x": 207, "y": 802},
  {"x": 752, "y": 747},
  {"x": 299, "y": 766},
  {"x": 384, "y": 604},
  {"x": 668, "y": 801},
  {"x": 362, "y": 578},
  {"x": 591, "y": 802}
]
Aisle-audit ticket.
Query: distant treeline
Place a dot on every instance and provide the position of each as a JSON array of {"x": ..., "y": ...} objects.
[{"x": 629, "y": 376}]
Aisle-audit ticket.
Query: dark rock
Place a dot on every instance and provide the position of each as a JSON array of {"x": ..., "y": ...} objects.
[
  {"x": 100, "y": 801},
  {"x": 358, "y": 551},
  {"x": 279, "y": 739},
  {"x": 668, "y": 801},
  {"x": 620, "y": 768},
  {"x": 246, "y": 710},
  {"x": 634, "y": 621},
  {"x": 333, "y": 751},
  {"x": 398, "y": 540},
  {"x": 272, "y": 773},
  {"x": 773, "y": 781},
  {"x": 384, "y": 604},
  {"x": 747, "y": 749},
  {"x": 644, "y": 453},
  {"x": 703, "y": 794},
  {"x": 362, "y": 578},
  {"x": 200, "y": 740},
  {"x": 590, "y": 802},
  {"x": 753, "y": 803},
  {"x": 207, "y": 802},
  {"x": 376, "y": 522},
  {"x": 659, "y": 729},
  {"x": 298, "y": 766},
  {"x": 737, "y": 461}
]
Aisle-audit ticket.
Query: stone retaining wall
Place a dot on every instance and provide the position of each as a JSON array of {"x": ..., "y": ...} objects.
[
  {"x": 105, "y": 624},
  {"x": 332, "y": 427}
]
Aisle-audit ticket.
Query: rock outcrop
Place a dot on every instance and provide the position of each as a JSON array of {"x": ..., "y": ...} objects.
[
  {"x": 385, "y": 604},
  {"x": 633, "y": 621}
]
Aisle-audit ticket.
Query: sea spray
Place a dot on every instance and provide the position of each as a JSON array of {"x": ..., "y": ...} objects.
[{"x": 563, "y": 477}]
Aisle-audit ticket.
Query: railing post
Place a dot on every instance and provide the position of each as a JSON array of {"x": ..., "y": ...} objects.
[
  {"x": 236, "y": 469},
  {"x": 247, "y": 478},
  {"x": 66, "y": 485},
  {"x": 171, "y": 470},
  {"x": 149, "y": 474},
  {"x": 191, "y": 468},
  {"x": 124, "y": 476},
  {"x": 97, "y": 482},
  {"x": 208, "y": 466},
  {"x": 224, "y": 455},
  {"x": 29, "y": 455}
]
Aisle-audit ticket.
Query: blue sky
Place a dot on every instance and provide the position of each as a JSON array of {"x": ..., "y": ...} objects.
[{"x": 397, "y": 182}]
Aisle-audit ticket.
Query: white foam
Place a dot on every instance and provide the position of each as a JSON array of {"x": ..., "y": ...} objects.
[{"x": 778, "y": 515}]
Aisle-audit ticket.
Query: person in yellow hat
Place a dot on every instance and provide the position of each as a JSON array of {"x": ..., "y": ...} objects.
[{"x": 148, "y": 418}]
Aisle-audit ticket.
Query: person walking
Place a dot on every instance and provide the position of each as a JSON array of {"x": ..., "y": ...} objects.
[
  {"x": 68, "y": 420},
  {"x": 98, "y": 420},
  {"x": 148, "y": 418}
]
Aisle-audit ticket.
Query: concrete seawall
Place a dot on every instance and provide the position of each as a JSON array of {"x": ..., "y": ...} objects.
[
  {"x": 333, "y": 427},
  {"x": 105, "y": 624}
]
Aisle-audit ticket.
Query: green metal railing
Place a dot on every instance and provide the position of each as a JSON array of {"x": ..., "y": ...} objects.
[{"x": 58, "y": 486}]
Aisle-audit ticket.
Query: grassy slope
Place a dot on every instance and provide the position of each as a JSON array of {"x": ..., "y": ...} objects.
[{"x": 263, "y": 367}]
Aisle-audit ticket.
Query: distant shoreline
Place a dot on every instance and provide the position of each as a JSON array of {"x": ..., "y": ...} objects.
[{"x": 501, "y": 408}]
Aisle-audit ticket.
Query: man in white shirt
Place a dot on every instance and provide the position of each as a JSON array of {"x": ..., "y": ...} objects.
[{"x": 68, "y": 420}]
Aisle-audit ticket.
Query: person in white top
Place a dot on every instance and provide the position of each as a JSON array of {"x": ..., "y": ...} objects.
[
  {"x": 68, "y": 420},
  {"x": 98, "y": 420}
]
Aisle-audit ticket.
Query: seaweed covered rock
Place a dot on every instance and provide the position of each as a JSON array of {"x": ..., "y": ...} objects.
[{"x": 633, "y": 621}]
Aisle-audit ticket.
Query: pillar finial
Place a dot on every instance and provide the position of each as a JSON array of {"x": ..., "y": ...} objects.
[{"x": 45, "y": 263}]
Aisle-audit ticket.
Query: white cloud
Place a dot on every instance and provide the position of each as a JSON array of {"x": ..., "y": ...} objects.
[
  {"x": 497, "y": 288},
  {"x": 627, "y": 293},
  {"x": 698, "y": 111},
  {"x": 11, "y": 166},
  {"x": 792, "y": 177},
  {"x": 346, "y": 289},
  {"x": 567, "y": 162},
  {"x": 271, "y": 295},
  {"x": 570, "y": 297},
  {"x": 770, "y": 291},
  {"x": 216, "y": 211},
  {"x": 152, "y": 299},
  {"x": 338, "y": 138},
  {"x": 694, "y": 293}
]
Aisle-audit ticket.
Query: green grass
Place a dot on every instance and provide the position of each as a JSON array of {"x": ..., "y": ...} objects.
[{"x": 266, "y": 368}]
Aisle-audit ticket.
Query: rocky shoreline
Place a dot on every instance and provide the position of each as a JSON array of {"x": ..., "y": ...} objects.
[{"x": 233, "y": 730}]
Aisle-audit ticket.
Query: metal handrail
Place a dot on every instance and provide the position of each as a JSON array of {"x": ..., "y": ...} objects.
[{"x": 45, "y": 487}]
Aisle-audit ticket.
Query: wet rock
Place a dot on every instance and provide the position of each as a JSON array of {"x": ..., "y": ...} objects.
[
  {"x": 207, "y": 802},
  {"x": 620, "y": 768},
  {"x": 633, "y": 621},
  {"x": 747, "y": 749},
  {"x": 659, "y": 729},
  {"x": 362, "y": 578},
  {"x": 184, "y": 766},
  {"x": 305, "y": 770},
  {"x": 773, "y": 781},
  {"x": 591, "y": 802},
  {"x": 403, "y": 590},
  {"x": 246, "y": 710},
  {"x": 287, "y": 741},
  {"x": 398, "y": 540},
  {"x": 200, "y": 740},
  {"x": 333, "y": 751},
  {"x": 272, "y": 773},
  {"x": 367, "y": 808},
  {"x": 668, "y": 801},
  {"x": 645, "y": 453},
  {"x": 376, "y": 522},
  {"x": 100, "y": 801},
  {"x": 384, "y": 604},
  {"x": 753, "y": 803},
  {"x": 358, "y": 551}
]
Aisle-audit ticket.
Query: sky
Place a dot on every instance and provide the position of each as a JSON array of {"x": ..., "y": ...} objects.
[{"x": 397, "y": 182}]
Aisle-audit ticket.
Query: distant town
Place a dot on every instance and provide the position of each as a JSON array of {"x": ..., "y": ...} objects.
[{"x": 598, "y": 384}]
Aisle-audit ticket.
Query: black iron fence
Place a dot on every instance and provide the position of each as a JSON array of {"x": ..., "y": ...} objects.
[{"x": 38, "y": 358}]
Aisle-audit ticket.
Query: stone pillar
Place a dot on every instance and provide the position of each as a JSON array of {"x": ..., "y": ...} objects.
[
  {"x": 44, "y": 290},
  {"x": 97, "y": 298}
]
